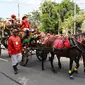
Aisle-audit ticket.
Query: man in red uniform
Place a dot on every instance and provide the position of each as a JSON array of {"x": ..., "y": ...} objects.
[{"x": 14, "y": 49}]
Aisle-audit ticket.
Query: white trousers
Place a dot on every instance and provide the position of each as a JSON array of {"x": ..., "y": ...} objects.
[{"x": 16, "y": 58}]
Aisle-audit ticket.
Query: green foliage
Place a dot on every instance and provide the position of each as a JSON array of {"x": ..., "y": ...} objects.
[
  {"x": 55, "y": 17},
  {"x": 49, "y": 16},
  {"x": 35, "y": 18}
]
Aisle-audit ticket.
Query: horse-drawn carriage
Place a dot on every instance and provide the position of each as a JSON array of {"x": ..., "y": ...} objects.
[
  {"x": 31, "y": 42},
  {"x": 33, "y": 45}
]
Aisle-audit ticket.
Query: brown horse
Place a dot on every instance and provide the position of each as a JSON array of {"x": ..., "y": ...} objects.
[{"x": 73, "y": 53}]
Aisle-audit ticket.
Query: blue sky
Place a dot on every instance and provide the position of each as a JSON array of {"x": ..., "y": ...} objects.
[{"x": 8, "y": 7}]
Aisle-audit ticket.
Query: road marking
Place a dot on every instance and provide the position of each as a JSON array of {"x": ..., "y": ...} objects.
[
  {"x": 10, "y": 78},
  {"x": 4, "y": 59},
  {"x": 23, "y": 81}
]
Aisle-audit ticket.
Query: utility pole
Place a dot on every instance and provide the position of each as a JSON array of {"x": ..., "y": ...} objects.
[
  {"x": 18, "y": 9},
  {"x": 59, "y": 22},
  {"x": 74, "y": 17},
  {"x": 74, "y": 30}
]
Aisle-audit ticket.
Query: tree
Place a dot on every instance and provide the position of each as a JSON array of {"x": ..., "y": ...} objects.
[
  {"x": 79, "y": 18},
  {"x": 53, "y": 15},
  {"x": 49, "y": 16},
  {"x": 35, "y": 18},
  {"x": 83, "y": 26},
  {"x": 67, "y": 14}
]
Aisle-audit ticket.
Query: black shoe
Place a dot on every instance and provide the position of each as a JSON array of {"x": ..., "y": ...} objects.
[
  {"x": 16, "y": 66},
  {"x": 15, "y": 72},
  {"x": 15, "y": 69}
]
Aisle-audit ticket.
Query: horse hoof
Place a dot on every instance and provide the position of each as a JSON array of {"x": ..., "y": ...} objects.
[
  {"x": 43, "y": 69},
  {"x": 71, "y": 77}
]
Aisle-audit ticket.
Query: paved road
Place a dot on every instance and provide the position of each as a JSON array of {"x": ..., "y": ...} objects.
[
  {"x": 33, "y": 75},
  {"x": 5, "y": 81}
]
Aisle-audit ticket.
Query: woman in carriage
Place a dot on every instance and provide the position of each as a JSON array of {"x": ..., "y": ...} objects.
[
  {"x": 26, "y": 25},
  {"x": 28, "y": 33}
]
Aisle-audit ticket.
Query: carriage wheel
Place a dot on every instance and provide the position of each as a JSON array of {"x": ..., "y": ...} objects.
[
  {"x": 0, "y": 49},
  {"x": 25, "y": 59},
  {"x": 4, "y": 41}
]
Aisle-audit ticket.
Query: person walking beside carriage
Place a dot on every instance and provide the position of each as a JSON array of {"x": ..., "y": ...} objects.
[{"x": 15, "y": 49}]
